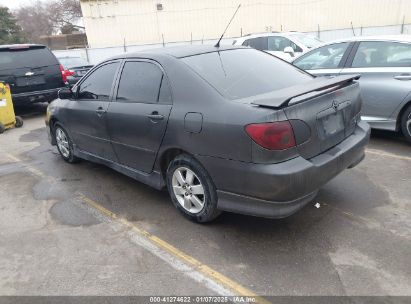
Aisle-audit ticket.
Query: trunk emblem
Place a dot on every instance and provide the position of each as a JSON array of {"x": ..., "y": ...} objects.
[
  {"x": 335, "y": 105},
  {"x": 29, "y": 74}
]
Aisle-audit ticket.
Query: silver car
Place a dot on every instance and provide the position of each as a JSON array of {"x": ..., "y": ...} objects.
[
  {"x": 384, "y": 63},
  {"x": 286, "y": 45}
]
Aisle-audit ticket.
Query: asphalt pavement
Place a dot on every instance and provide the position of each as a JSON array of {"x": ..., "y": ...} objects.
[{"x": 85, "y": 229}]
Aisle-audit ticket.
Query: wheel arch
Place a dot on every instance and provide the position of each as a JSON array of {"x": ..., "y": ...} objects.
[
  {"x": 400, "y": 113},
  {"x": 52, "y": 124},
  {"x": 168, "y": 155}
]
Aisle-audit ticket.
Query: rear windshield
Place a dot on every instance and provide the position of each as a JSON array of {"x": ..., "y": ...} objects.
[
  {"x": 73, "y": 62},
  {"x": 243, "y": 73},
  {"x": 21, "y": 58}
]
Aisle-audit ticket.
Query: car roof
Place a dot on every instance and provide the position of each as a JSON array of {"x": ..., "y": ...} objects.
[
  {"x": 398, "y": 38},
  {"x": 178, "y": 51},
  {"x": 66, "y": 57},
  {"x": 11, "y": 46}
]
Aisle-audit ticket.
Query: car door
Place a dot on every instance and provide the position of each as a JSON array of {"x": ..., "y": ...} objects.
[
  {"x": 325, "y": 61},
  {"x": 87, "y": 112},
  {"x": 138, "y": 116},
  {"x": 277, "y": 44},
  {"x": 385, "y": 69}
]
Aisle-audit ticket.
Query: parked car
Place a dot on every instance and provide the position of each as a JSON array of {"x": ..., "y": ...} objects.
[
  {"x": 32, "y": 71},
  {"x": 287, "y": 46},
  {"x": 217, "y": 126},
  {"x": 74, "y": 68},
  {"x": 384, "y": 63}
]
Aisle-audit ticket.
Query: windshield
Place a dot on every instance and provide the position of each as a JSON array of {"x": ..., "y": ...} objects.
[
  {"x": 308, "y": 41},
  {"x": 242, "y": 73},
  {"x": 71, "y": 62},
  {"x": 26, "y": 58}
]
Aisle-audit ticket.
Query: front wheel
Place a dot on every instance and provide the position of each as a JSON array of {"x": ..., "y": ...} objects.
[
  {"x": 192, "y": 190},
  {"x": 406, "y": 124},
  {"x": 64, "y": 144}
]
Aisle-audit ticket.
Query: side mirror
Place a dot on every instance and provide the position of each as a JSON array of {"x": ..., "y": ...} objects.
[
  {"x": 65, "y": 93},
  {"x": 289, "y": 50}
]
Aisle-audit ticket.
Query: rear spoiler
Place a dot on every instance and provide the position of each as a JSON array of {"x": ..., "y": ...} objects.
[{"x": 281, "y": 98}]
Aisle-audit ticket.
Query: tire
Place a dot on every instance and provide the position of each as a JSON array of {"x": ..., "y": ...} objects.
[
  {"x": 19, "y": 122},
  {"x": 406, "y": 124},
  {"x": 191, "y": 189},
  {"x": 64, "y": 144},
  {"x": 2, "y": 128}
]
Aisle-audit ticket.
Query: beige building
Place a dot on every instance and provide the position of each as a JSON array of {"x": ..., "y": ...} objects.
[{"x": 115, "y": 22}]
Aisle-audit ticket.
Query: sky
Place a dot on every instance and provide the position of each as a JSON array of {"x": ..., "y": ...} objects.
[{"x": 12, "y": 4}]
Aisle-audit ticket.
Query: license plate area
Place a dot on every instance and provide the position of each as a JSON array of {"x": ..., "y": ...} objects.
[
  {"x": 330, "y": 124},
  {"x": 29, "y": 81}
]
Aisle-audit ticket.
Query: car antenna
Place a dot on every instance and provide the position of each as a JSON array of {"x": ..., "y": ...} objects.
[{"x": 219, "y": 40}]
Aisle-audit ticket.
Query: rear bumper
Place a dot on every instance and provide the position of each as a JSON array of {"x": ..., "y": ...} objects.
[
  {"x": 279, "y": 190},
  {"x": 35, "y": 96}
]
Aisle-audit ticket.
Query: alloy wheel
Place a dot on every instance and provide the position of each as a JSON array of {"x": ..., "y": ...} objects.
[
  {"x": 188, "y": 190},
  {"x": 62, "y": 143},
  {"x": 408, "y": 124}
]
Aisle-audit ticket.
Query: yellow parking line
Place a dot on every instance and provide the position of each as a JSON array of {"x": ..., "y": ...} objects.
[
  {"x": 204, "y": 269},
  {"x": 160, "y": 243},
  {"x": 377, "y": 152},
  {"x": 31, "y": 169}
]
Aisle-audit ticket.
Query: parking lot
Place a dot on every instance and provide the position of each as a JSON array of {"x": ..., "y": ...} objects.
[{"x": 84, "y": 229}]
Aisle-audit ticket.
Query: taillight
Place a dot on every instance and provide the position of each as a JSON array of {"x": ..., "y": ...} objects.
[
  {"x": 272, "y": 135},
  {"x": 63, "y": 74}
]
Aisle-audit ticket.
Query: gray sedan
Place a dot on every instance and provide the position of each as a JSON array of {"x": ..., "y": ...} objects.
[
  {"x": 222, "y": 128},
  {"x": 384, "y": 63}
]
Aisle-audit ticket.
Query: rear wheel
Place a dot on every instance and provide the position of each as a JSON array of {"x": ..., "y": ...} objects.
[
  {"x": 2, "y": 128},
  {"x": 19, "y": 122},
  {"x": 406, "y": 124},
  {"x": 64, "y": 144},
  {"x": 192, "y": 190}
]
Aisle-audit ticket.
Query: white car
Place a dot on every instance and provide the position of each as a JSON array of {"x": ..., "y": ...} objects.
[{"x": 288, "y": 45}]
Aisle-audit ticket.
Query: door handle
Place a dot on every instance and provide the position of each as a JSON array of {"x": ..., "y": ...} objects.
[
  {"x": 403, "y": 77},
  {"x": 155, "y": 116},
  {"x": 100, "y": 111}
]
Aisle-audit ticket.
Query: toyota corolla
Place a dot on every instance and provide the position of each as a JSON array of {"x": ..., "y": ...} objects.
[{"x": 222, "y": 128}]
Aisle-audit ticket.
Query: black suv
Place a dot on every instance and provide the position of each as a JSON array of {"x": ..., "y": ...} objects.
[{"x": 32, "y": 71}]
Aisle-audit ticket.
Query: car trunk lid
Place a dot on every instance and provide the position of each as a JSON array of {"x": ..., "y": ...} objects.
[{"x": 329, "y": 108}]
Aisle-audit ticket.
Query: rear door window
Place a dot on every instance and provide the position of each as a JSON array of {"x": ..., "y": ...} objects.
[
  {"x": 326, "y": 57},
  {"x": 26, "y": 57},
  {"x": 140, "y": 82},
  {"x": 278, "y": 44},
  {"x": 242, "y": 73},
  {"x": 382, "y": 54},
  {"x": 259, "y": 43},
  {"x": 97, "y": 86}
]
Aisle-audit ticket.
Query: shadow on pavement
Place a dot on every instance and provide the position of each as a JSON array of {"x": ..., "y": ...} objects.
[{"x": 31, "y": 110}]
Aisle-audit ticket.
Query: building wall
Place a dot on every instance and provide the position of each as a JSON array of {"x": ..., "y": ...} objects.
[{"x": 118, "y": 22}]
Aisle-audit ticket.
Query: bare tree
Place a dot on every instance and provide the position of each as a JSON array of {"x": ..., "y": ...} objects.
[
  {"x": 35, "y": 20},
  {"x": 65, "y": 13},
  {"x": 48, "y": 17}
]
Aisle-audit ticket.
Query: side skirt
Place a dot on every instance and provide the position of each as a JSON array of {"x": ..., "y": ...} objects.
[{"x": 153, "y": 179}]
